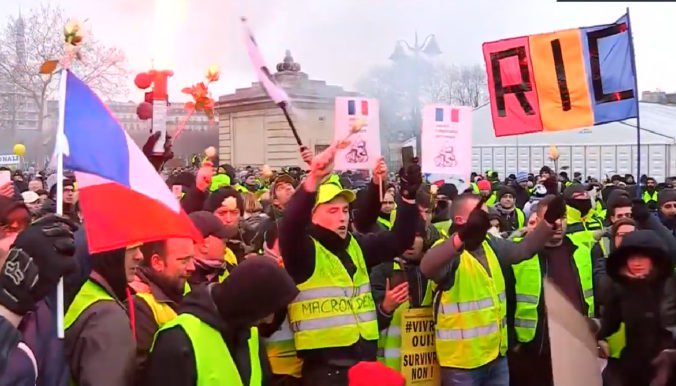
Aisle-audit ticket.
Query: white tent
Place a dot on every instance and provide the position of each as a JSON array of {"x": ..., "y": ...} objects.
[{"x": 593, "y": 151}]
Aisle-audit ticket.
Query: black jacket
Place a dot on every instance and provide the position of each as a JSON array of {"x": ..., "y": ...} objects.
[
  {"x": 172, "y": 361},
  {"x": 522, "y": 196},
  {"x": 647, "y": 307}
]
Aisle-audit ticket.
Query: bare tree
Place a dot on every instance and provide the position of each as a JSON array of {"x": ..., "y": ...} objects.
[
  {"x": 458, "y": 85},
  {"x": 27, "y": 42}
]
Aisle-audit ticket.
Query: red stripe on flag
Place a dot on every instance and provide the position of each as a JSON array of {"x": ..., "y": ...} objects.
[
  {"x": 364, "y": 107},
  {"x": 455, "y": 115}
]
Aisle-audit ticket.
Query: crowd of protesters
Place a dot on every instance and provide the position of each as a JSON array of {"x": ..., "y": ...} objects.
[{"x": 243, "y": 306}]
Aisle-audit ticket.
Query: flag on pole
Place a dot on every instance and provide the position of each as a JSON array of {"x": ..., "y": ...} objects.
[
  {"x": 276, "y": 93},
  {"x": 123, "y": 199}
]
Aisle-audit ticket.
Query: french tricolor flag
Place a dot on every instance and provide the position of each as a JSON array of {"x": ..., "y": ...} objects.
[
  {"x": 123, "y": 199},
  {"x": 441, "y": 115},
  {"x": 363, "y": 108}
]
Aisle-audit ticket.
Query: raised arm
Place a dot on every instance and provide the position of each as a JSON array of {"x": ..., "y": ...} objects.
[{"x": 366, "y": 208}]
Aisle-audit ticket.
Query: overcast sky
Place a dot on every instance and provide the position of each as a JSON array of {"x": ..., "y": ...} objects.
[{"x": 338, "y": 40}]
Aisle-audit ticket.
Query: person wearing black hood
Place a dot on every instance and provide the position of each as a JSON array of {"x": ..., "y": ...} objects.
[
  {"x": 644, "y": 300},
  {"x": 214, "y": 339},
  {"x": 582, "y": 221},
  {"x": 99, "y": 344}
]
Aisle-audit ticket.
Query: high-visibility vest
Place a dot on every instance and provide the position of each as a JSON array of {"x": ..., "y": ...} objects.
[
  {"x": 282, "y": 352},
  {"x": 443, "y": 227},
  {"x": 647, "y": 197},
  {"x": 162, "y": 312},
  {"x": 528, "y": 289},
  {"x": 88, "y": 294},
  {"x": 332, "y": 308},
  {"x": 475, "y": 188},
  {"x": 471, "y": 316},
  {"x": 581, "y": 229},
  {"x": 388, "y": 223},
  {"x": 213, "y": 361},
  {"x": 389, "y": 343},
  {"x": 492, "y": 199},
  {"x": 616, "y": 341}
]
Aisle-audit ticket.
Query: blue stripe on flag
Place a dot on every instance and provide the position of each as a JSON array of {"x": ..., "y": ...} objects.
[
  {"x": 351, "y": 108},
  {"x": 439, "y": 114},
  {"x": 96, "y": 141}
]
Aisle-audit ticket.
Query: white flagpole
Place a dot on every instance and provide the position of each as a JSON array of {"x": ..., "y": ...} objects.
[{"x": 60, "y": 137}]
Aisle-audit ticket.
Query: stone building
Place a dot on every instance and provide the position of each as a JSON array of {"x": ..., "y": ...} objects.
[{"x": 253, "y": 130}]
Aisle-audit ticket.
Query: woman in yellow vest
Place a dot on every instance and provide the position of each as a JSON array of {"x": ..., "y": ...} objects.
[
  {"x": 334, "y": 317},
  {"x": 214, "y": 339},
  {"x": 99, "y": 343},
  {"x": 471, "y": 309}
]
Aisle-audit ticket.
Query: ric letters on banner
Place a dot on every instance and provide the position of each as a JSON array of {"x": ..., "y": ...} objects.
[{"x": 419, "y": 364}]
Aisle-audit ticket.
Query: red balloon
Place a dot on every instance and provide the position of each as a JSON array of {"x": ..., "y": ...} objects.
[
  {"x": 143, "y": 80},
  {"x": 144, "y": 111}
]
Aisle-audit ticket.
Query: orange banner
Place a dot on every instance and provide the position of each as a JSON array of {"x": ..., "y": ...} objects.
[{"x": 560, "y": 78}]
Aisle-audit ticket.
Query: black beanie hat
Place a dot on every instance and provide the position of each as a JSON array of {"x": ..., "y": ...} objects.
[
  {"x": 546, "y": 169},
  {"x": 666, "y": 195},
  {"x": 256, "y": 288},
  {"x": 505, "y": 190},
  {"x": 575, "y": 188},
  {"x": 448, "y": 190},
  {"x": 110, "y": 265},
  {"x": 215, "y": 199}
]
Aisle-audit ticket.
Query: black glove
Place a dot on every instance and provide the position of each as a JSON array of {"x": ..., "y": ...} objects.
[
  {"x": 555, "y": 210},
  {"x": 664, "y": 364},
  {"x": 48, "y": 246},
  {"x": 17, "y": 279},
  {"x": 473, "y": 232},
  {"x": 639, "y": 210},
  {"x": 410, "y": 181},
  {"x": 157, "y": 160}
]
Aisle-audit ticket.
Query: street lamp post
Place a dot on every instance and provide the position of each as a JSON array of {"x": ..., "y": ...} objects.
[{"x": 418, "y": 51}]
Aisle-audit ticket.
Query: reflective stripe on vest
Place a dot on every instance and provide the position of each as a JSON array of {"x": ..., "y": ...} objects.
[
  {"x": 332, "y": 308},
  {"x": 528, "y": 289},
  {"x": 162, "y": 312},
  {"x": 470, "y": 327},
  {"x": 89, "y": 294},
  {"x": 282, "y": 352},
  {"x": 389, "y": 343},
  {"x": 213, "y": 361}
]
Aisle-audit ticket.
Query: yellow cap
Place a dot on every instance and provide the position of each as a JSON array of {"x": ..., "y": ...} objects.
[{"x": 329, "y": 190}]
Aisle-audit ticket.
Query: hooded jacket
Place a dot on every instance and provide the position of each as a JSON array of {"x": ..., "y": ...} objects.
[
  {"x": 647, "y": 306},
  {"x": 172, "y": 360},
  {"x": 99, "y": 345}
]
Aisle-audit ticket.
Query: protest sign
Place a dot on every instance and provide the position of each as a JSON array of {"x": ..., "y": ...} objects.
[
  {"x": 573, "y": 348},
  {"x": 447, "y": 140},
  {"x": 419, "y": 364},
  {"x": 364, "y": 146},
  {"x": 9, "y": 159}
]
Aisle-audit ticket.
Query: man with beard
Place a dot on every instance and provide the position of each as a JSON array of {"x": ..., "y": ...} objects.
[
  {"x": 667, "y": 205},
  {"x": 512, "y": 218},
  {"x": 159, "y": 287},
  {"x": 650, "y": 193}
]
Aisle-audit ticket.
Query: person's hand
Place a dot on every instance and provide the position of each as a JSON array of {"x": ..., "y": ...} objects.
[
  {"x": 49, "y": 243},
  {"x": 306, "y": 154},
  {"x": 556, "y": 210},
  {"x": 7, "y": 189},
  {"x": 204, "y": 175},
  {"x": 639, "y": 210},
  {"x": 664, "y": 364},
  {"x": 410, "y": 181},
  {"x": 604, "y": 350},
  {"x": 157, "y": 160},
  {"x": 394, "y": 297},
  {"x": 322, "y": 165},
  {"x": 473, "y": 232},
  {"x": 380, "y": 171}
]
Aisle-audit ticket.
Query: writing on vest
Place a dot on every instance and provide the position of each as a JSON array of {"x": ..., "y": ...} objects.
[
  {"x": 471, "y": 316},
  {"x": 213, "y": 361},
  {"x": 282, "y": 352},
  {"x": 332, "y": 308}
]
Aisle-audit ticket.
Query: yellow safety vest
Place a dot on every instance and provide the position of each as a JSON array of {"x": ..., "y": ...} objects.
[
  {"x": 389, "y": 344},
  {"x": 332, "y": 308},
  {"x": 581, "y": 229},
  {"x": 162, "y": 312},
  {"x": 528, "y": 288},
  {"x": 492, "y": 199},
  {"x": 89, "y": 294},
  {"x": 471, "y": 317},
  {"x": 443, "y": 227},
  {"x": 213, "y": 361},
  {"x": 282, "y": 352},
  {"x": 647, "y": 197},
  {"x": 388, "y": 224}
]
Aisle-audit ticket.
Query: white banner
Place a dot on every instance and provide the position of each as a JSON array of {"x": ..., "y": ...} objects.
[
  {"x": 447, "y": 140},
  {"x": 9, "y": 159},
  {"x": 364, "y": 146}
]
